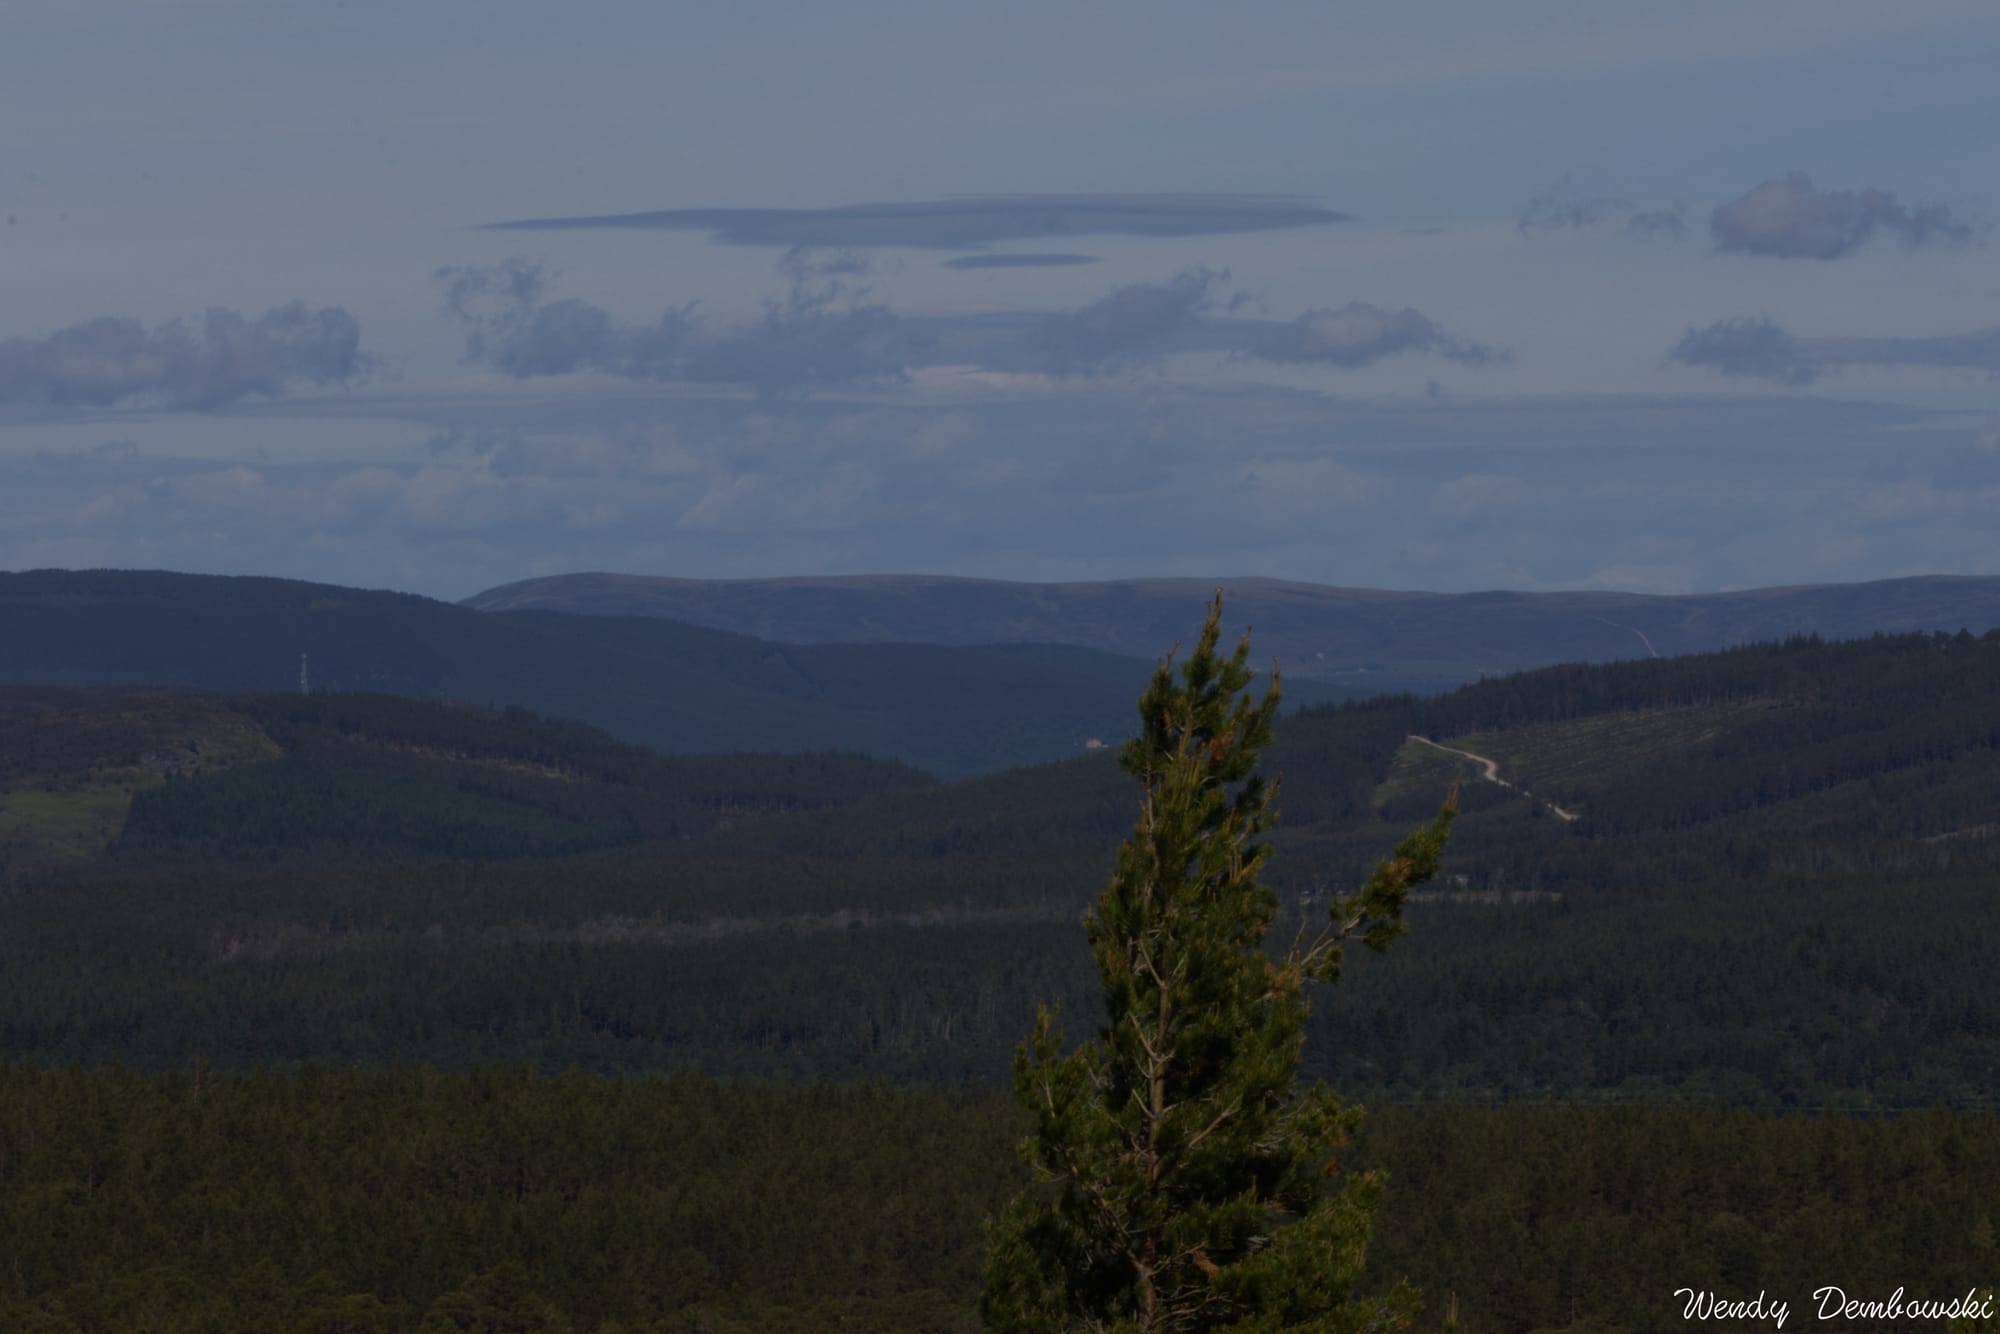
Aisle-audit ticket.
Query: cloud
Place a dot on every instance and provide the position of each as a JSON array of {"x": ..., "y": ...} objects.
[
  {"x": 1665, "y": 224},
  {"x": 792, "y": 351},
  {"x": 1091, "y": 479},
  {"x": 1979, "y": 350},
  {"x": 479, "y": 293},
  {"x": 971, "y": 222},
  {"x": 823, "y": 332},
  {"x": 512, "y": 329},
  {"x": 1019, "y": 260},
  {"x": 228, "y": 357},
  {"x": 1563, "y": 209},
  {"x": 1755, "y": 346},
  {"x": 827, "y": 331},
  {"x": 1127, "y": 323},
  {"x": 816, "y": 276},
  {"x": 1748, "y": 346},
  {"x": 1790, "y": 218},
  {"x": 1144, "y": 323},
  {"x": 1358, "y": 334}
]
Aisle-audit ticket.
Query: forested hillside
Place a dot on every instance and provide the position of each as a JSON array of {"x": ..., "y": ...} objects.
[
  {"x": 307, "y": 952},
  {"x": 1777, "y": 886},
  {"x": 672, "y": 687},
  {"x": 156, "y": 777}
]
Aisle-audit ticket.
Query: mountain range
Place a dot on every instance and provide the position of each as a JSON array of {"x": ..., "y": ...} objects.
[
  {"x": 1373, "y": 639},
  {"x": 676, "y": 688},
  {"x": 954, "y": 676}
]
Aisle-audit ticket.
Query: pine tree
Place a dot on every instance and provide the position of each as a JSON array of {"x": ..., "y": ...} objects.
[{"x": 1186, "y": 1181}]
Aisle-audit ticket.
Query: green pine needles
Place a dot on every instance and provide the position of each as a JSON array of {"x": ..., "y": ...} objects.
[{"x": 1186, "y": 1181}]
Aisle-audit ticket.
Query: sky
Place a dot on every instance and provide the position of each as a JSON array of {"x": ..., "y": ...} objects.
[{"x": 1439, "y": 295}]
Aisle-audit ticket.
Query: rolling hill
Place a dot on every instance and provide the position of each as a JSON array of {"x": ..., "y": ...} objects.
[
  {"x": 1777, "y": 885},
  {"x": 1385, "y": 641},
  {"x": 150, "y": 777},
  {"x": 677, "y": 688}
]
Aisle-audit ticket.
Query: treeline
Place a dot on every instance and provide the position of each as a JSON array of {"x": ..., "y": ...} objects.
[
  {"x": 415, "y": 1201},
  {"x": 1805, "y": 668}
]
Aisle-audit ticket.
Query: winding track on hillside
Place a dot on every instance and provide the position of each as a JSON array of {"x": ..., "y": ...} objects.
[
  {"x": 1634, "y": 629},
  {"x": 1492, "y": 774}
]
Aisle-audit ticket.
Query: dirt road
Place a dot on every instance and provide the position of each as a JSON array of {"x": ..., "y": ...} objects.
[{"x": 1492, "y": 774}]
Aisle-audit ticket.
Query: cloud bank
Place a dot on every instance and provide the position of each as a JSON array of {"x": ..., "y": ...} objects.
[
  {"x": 969, "y": 223},
  {"x": 1127, "y": 323},
  {"x": 1791, "y": 218},
  {"x": 228, "y": 357},
  {"x": 1979, "y": 350},
  {"x": 824, "y": 332},
  {"x": 1086, "y": 481},
  {"x": 1359, "y": 334},
  {"x": 828, "y": 332},
  {"x": 1759, "y": 348}
]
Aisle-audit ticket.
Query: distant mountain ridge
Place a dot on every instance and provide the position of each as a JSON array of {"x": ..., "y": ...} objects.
[
  {"x": 677, "y": 688},
  {"x": 1314, "y": 630}
]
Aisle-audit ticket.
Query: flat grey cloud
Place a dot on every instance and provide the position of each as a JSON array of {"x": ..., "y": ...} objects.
[
  {"x": 1757, "y": 347},
  {"x": 1136, "y": 324},
  {"x": 1359, "y": 334},
  {"x": 1791, "y": 218},
  {"x": 226, "y": 358},
  {"x": 827, "y": 332},
  {"x": 1564, "y": 209},
  {"x": 1148, "y": 323},
  {"x": 1019, "y": 260},
  {"x": 971, "y": 222},
  {"x": 1750, "y": 346},
  {"x": 1978, "y": 350}
]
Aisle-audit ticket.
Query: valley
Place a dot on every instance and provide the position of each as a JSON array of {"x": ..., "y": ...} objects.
[{"x": 1720, "y": 918}]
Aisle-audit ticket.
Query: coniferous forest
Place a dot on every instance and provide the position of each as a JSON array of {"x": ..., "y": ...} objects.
[
  {"x": 1113, "y": 668},
  {"x": 357, "y": 1012}
]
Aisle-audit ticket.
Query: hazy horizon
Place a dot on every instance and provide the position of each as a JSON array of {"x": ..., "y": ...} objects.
[{"x": 447, "y": 298}]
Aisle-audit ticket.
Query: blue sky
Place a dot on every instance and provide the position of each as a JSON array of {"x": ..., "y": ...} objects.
[{"x": 1663, "y": 298}]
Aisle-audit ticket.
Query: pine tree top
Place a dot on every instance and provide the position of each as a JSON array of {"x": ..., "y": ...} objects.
[{"x": 1186, "y": 1181}]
